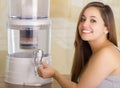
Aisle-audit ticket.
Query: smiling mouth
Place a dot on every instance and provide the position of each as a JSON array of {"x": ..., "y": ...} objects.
[{"x": 86, "y": 31}]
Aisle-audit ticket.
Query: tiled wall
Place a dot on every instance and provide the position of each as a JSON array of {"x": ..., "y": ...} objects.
[{"x": 64, "y": 15}]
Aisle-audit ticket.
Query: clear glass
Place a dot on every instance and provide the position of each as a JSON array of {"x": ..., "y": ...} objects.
[
  {"x": 28, "y": 9},
  {"x": 23, "y": 40},
  {"x": 38, "y": 56}
]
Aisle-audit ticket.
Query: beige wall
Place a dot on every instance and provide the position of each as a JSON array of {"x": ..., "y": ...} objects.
[
  {"x": 3, "y": 20},
  {"x": 64, "y": 15}
]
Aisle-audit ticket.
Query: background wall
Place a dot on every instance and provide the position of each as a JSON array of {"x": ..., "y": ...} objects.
[{"x": 64, "y": 15}]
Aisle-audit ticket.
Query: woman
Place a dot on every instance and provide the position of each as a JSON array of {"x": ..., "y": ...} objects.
[{"x": 97, "y": 58}]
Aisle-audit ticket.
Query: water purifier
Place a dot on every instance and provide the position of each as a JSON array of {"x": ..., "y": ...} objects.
[{"x": 29, "y": 41}]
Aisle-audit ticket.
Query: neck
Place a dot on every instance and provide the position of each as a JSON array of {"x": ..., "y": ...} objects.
[{"x": 99, "y": 44}]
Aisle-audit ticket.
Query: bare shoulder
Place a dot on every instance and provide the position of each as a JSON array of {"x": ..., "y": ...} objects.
[
  {"x": 101, "y": 65},
  {"x": 109, "y": 57},
  {"x": 110, "y": 52}
]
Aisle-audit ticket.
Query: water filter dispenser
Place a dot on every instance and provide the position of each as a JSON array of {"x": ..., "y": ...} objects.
[{"x": 28, "y": 32}]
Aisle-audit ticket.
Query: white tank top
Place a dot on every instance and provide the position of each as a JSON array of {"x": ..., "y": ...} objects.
[{"x": 111, "y": 82}]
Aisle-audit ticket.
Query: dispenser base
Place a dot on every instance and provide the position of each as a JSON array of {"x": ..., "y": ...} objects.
[{"x": 21, "y": 71}]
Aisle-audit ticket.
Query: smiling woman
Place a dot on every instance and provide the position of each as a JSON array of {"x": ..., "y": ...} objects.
[
  {"x": 95, "y": 47},
  {"x": 91, "y": 23}
]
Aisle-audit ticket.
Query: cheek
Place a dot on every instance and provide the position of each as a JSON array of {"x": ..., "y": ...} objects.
[
  {"x": 79, "y": 29},
  {"x": 99, "y": 30}
]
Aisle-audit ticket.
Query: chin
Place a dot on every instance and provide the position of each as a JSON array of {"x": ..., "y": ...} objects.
[{"x": 86, "y": 39}]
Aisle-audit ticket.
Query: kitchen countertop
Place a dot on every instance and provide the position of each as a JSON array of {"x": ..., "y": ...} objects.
[{"x": 3, "y": 84}]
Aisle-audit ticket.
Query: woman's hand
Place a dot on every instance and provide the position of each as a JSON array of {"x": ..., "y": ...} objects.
[{"x": 45, "y": 70}]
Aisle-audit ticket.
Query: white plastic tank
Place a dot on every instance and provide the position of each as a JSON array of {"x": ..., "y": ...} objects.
[{"x": 29, "y": 29}]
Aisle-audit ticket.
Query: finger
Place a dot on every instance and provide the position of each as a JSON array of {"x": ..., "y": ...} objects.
[
  {"x": 40, "y": 70},
  {"x": 44, "y": 64}
]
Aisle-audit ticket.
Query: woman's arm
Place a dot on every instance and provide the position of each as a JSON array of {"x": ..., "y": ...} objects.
[
  {"x": 46, "y": 71},
  {"x": 99, "y": 67}
]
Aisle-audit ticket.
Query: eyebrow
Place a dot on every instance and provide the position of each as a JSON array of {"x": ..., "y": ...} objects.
[{"x": 93, "y": 16}]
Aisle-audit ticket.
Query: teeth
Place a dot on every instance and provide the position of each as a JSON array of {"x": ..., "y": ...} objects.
[{"x": 86, "y": 31}]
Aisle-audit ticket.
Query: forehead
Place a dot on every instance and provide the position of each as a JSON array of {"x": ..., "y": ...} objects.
[{"x": 92, "y": 11}]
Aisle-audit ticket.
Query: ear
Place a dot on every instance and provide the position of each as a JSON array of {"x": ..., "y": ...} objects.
[{"x": 106, "y": 31}]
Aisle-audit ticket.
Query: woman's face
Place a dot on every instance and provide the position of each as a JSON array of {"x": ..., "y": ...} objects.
[{"x": 91, "y": 25}]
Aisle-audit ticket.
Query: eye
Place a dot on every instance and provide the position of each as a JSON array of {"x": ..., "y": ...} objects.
[
  {"x": 82, "y": 19},
  {"x": 93, "y": 21}
]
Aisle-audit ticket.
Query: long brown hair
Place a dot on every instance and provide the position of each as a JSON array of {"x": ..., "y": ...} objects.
[{"x": 82, "y": 48}]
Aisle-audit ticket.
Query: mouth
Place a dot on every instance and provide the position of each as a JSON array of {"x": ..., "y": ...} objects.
[{"x": 86, "y": 31}]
